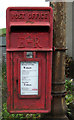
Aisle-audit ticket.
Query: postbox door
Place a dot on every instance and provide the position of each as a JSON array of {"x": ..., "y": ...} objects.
[
  {"x": 35, "y": 100},
  {"x": 39, "y": 101}
]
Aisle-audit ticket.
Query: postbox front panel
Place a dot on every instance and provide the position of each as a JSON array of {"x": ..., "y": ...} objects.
[
  {"x": 30, "y": 37},
  {"x": 29, "y": 59}
]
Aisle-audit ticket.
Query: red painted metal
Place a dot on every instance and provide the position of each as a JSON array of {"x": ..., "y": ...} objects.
[{"x": 29, "y": 29}]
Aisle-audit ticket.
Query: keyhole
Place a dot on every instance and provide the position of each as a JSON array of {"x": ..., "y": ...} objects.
[{"x": 17, "y": 82}]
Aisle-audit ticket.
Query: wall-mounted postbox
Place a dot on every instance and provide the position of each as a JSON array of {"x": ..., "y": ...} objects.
[{"x": 29, "y": 59}]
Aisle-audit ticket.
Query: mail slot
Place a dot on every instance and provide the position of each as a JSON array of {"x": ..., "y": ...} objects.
[{"x": 29, "y": 35}]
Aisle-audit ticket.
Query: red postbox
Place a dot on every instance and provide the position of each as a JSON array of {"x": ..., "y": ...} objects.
[{"x": 29, "y": 35}]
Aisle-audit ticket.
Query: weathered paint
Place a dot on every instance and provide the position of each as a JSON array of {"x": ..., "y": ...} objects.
[{"x": 29, "y": 29}]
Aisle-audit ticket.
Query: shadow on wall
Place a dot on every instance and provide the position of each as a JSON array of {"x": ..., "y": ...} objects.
[{"x": 72, "y": 69}]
